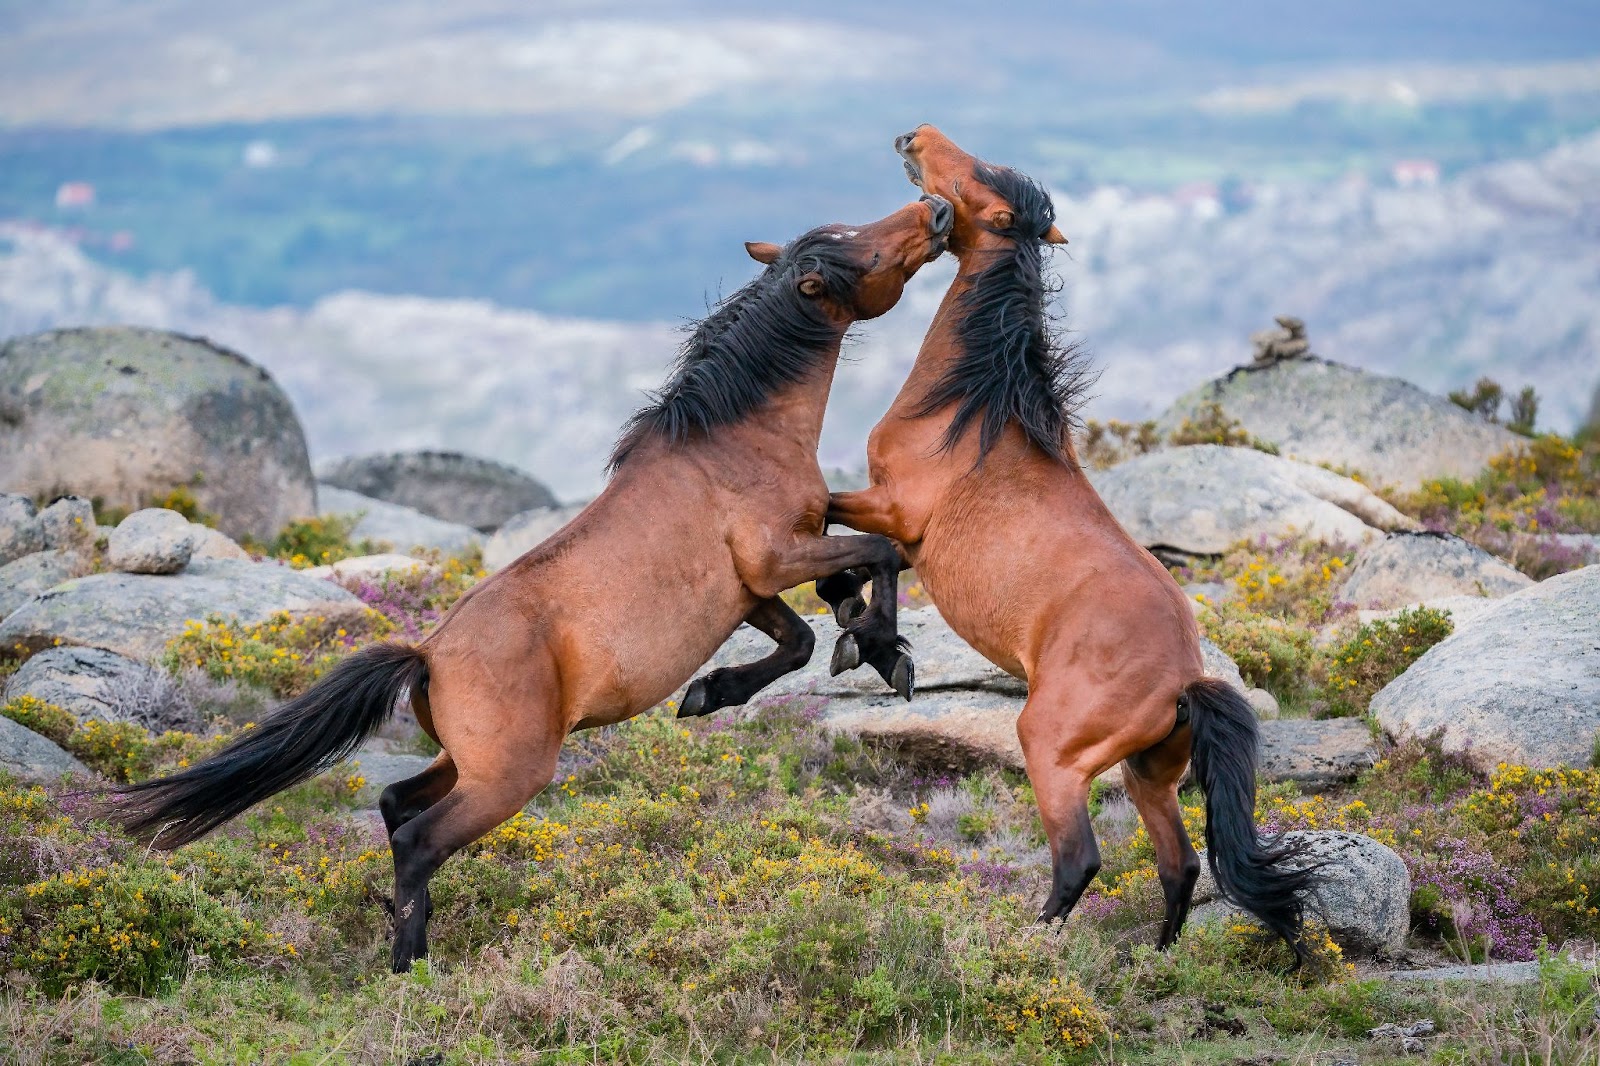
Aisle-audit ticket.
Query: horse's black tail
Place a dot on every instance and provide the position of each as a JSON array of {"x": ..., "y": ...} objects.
[
  {"x": 1270, "y": 880},
  {"x": 302, "y": 738}
]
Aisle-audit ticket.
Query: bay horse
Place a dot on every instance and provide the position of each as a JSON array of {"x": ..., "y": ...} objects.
[
  {"x": 715, "y": 487},
  {"x": 973, "y": 474}
]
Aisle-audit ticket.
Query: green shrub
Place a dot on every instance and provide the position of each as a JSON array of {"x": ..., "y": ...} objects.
[
  {"x": 1376, "y": 654},
  {"x": 307, "y": 542},
  {"x": 1213, "y": 426},
  {"x": 282, "y": 655},
  {"x": 133, "y": 927},
  {"x": 121, "y": 751},
  {"x": 1272, "y": 654}
]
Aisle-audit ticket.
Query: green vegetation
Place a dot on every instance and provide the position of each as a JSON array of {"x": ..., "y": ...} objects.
[
  {"x": 1549, "y": 485},
  {"x": 1378, "y": 653},
  {"x": 307, "y": 542},
  {"x": 752, "y": 887},
  {"x": 1211, "y": 425},
  {"x": 705, "y": 891}
]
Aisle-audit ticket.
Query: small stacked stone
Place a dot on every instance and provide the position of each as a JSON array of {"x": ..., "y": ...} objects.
[{"x": 1287, "y": 342}]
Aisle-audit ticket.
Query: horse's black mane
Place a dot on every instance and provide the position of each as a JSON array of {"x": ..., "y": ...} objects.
[
  {"x": 763, "y": 337},
  {"x": 1011, "y": 367}
]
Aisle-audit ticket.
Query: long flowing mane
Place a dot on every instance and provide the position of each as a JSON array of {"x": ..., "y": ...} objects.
[
  {"x": 1012, "y": 368},
  {"x": 762, "y": 338}
]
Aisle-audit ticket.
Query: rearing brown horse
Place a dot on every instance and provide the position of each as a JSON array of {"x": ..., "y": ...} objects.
[
  {"x": 715, "y": 488},
  {"x": 974, "y": 476}
]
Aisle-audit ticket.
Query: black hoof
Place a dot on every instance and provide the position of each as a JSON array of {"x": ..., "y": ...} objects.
[
  {"x": 696, "y": 701},
  {"x": 846, "y": 655},
  {"x": 849, "y": 610},
  {"x": 904, "y": 678}
]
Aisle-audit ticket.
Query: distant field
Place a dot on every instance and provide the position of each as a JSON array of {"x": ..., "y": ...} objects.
[{"x": 571, "y": 218}]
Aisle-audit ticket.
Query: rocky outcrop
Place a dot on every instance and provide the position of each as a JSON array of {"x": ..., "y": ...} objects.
[
  {"x": 126, "y": 415},
  {"x": 135, "y": 615},
  {"x": 152, "y": 541},
  {"x": 69, "y": 524},
  {"x": 524, "y": 532},
  {"x": 213, "y": 544},
  {"x": 1520, "y": 684},
  {"x": 32, "y": 574},
  {"x": 91, "y": 683},
  {"x": 1322, "y": 412},
  {"x": 1201, "y": 499},
  {"x": 1362, "y": 892},
  {"x": 20, "y": 531},
  {"x": 1407, "y": 568},
  {"x": 402, "y": 528},
  {"x": 28, "y": 756},
  {"x": 450, "y": 486},
  {"x": 368, "y": 566},
  {"x": 1316, "y": 755}
]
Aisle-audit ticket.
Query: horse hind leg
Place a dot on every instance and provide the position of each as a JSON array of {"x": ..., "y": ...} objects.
[
  {"x": 1058, "y": 764},
  {"x": 407, "y": 798},
  {"x": 1152, "y": 778},
  {"x": 497, "y": 770},
  {"x": 731, "y": 686}
]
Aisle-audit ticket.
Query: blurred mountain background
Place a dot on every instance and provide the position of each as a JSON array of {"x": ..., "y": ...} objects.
[{"x": 477, "y": 225}]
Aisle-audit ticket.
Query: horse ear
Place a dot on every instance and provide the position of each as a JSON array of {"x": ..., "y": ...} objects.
[
  {"x": 762, "y": 251},
  {"x": 1055, "y": 236}
]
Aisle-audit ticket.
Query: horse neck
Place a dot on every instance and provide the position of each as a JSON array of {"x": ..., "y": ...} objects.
[
  {"x": 940, "y": 345},
  {"x": 795, "y": 414}
]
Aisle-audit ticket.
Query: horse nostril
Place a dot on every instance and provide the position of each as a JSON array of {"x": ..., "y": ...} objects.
[
  {"x": 902, "y": 143},
  {"x": 941, "y": 215}
]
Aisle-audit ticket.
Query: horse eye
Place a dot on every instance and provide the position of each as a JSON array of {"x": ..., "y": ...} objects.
[{"x": 876, "y": 256}]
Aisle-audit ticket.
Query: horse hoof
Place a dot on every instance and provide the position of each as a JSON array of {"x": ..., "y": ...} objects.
[
  {"x": 846, "y": 655},
  {"x": 849, "y": 610},
  {"x": 903, "y": 680},
  {"x": 695, "y": 700}
]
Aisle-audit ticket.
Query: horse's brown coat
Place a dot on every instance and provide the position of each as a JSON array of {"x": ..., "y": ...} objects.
[{"x": 1027, "y": 564}]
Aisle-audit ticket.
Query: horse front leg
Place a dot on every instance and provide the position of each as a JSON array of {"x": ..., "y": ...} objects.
[
  {"x": 873, "y": 636},
  {"x": 868, "y": 511},
  {"x": 729, "y": 686}
]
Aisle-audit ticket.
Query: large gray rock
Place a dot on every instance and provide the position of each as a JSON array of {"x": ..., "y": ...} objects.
[
  {"x": 1316, "y": 755},
  {"x": 30, "y": 757},
  {"x": 403, "y": 528},
  {"x": 1362, "y": 892},
  {"x": 447, "y": 485},
  {"x": 213, "y": 544},
  {"x": 1202, "y": 499},
  {"x": 1521, "y": 684},
  {"x": 32, "y": 574},
  {"x": 1387, "y": 429},
  {"x": 126, "y": 415},
  {"x": 20, "y": 531},
  {"x": 69, "y": 524},
  {"x": 152, "y": 541},
  {"x": 524, "y": 532},
  {"x": 965, "y": 711},
  {"x": 1407, "y": 568},
  {"x": 92, "y": 683},
  {"x": 136, "y": 614}
]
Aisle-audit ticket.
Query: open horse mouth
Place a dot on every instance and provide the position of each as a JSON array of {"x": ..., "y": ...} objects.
[{"x": 902, "y": 145}]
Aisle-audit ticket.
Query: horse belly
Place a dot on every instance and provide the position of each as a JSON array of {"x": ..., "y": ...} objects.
[{"x": 976, "y": 608}]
